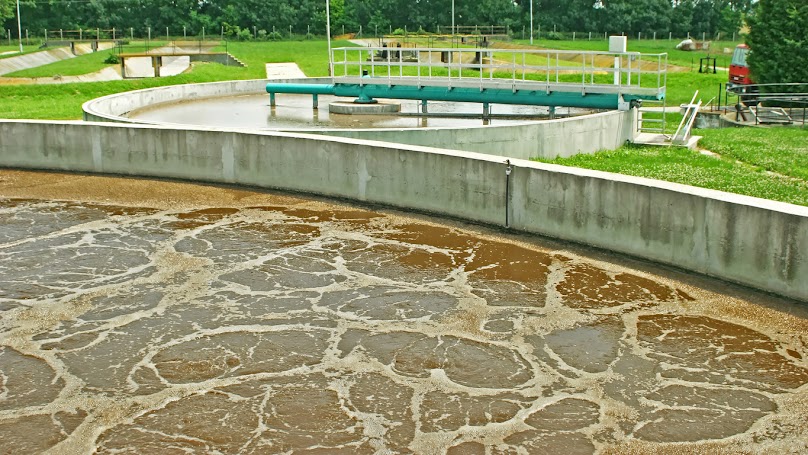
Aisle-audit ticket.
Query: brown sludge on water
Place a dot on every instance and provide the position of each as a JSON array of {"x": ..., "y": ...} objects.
[{"x": 153, "y": 316}]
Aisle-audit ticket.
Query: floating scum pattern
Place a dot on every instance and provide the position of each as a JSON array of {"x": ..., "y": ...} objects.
[{"x": 240, "y": 322}]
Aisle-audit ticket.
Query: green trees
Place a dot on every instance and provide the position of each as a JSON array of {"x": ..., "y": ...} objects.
[
  {"x": 597, "y": 16},
  {"x": 636, "y": 16},
  {"x": 779, "y": 41},
  {"x": 6, "y": 9}
]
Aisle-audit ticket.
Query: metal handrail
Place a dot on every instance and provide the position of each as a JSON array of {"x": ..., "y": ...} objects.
[
  {"x": 760, "y": 94},
  {"x": 682, "y": 133},
  {"x": 631, "y": 65}
]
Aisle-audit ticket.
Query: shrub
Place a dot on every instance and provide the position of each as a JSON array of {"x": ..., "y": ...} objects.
[{"x": 245, "y": 35}]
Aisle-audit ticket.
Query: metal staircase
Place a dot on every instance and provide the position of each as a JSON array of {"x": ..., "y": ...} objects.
[
  {"x": 770, "y": 115},
  {"x": 682, "y": 135}
]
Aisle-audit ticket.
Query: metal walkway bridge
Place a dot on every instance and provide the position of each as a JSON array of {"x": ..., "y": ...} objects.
[{"x": 553, "y": 78}]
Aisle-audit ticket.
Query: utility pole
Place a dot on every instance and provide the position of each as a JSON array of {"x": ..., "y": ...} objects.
[
  {"x": 328, "y": 35},
  {"x": 453, "y": 24},
  {"x": 531, "y": 21},
  {"x": 19, "y": 27}
]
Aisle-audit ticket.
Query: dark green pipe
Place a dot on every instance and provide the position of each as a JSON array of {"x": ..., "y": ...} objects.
[
  {"x": 301, "y": 89},
  {"x": 461, "y": 94}
]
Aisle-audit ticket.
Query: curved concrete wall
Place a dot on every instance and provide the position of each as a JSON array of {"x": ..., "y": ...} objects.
[
  {"x": 546, "y": 139},
  {"x": 751, "y": 241}
]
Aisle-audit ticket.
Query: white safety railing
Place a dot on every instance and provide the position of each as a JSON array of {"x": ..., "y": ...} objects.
[
  {"x": 682, "y": 134},
  {"x": 551, "y": 69}
]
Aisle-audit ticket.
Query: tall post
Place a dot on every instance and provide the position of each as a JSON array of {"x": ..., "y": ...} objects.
[
  {"x": 453, "y": 23},
  {"x": 19, "y": 27},
  {"x": 531, "y": 21},
  {"x": 328, "y": 36}
]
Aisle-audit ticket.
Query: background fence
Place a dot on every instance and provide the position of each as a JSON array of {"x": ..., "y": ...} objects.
[{"x": 253, "y": 33}]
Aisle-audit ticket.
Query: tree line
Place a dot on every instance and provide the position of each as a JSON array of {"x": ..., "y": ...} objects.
[{"x": 243, "y": 18}]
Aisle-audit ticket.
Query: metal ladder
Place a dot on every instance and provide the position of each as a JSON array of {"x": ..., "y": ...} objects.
[{"x": 654, "y": 125}]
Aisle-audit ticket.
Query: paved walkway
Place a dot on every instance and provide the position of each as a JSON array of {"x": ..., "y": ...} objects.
[
  {"x": 284, "y": 71},
  {"x": 172, "y": 65},
  {"x": 142, "y": 66}
]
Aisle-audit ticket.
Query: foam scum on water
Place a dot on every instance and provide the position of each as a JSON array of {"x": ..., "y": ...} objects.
[{"x": 149, "y": 316}]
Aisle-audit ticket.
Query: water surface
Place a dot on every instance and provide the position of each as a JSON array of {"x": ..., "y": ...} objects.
[
  {"x": 158, "y": 317},
  {"x": 295, "y": 112}
]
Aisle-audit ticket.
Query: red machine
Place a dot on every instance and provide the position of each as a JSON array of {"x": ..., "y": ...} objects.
[{"x": 738, "y": 69}]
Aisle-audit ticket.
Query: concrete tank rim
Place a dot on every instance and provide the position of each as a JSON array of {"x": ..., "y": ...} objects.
[
  {"x": 707, "y": 193},
  {"x": 89, "y": 108}
]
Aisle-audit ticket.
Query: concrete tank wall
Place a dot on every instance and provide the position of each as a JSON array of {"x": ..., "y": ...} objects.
[
  {"x": 546, "y": 139},
  {"x": 755, "y": 242}
]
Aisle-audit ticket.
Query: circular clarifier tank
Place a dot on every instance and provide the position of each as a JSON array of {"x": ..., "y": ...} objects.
[
  {"x": 149, "y": 316},
  {"x": 296, "y": 112}
]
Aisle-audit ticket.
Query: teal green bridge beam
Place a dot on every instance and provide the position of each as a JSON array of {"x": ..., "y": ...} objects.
[{"x": 541, "y": 96}]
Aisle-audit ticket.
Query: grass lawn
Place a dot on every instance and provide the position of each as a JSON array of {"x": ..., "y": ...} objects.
[
  {"x": 63, "y": 101},
  {"x": 15, "y": 49},
  {"x": 770, "y": 163},
  {"x": 780, "y": 150}
]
